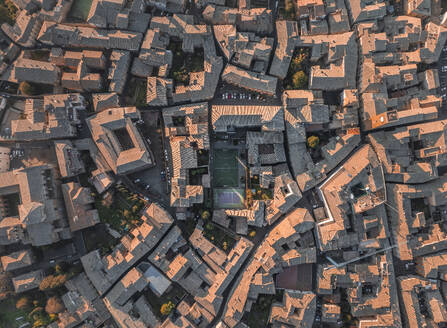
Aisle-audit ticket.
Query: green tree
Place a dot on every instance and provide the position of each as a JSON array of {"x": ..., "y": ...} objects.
[
  {"x": 167, "y": 308},
  {"x": 27, "y": 89},
  {"x": 313, "y": 141},
  {"x": 299, "y": 80}
]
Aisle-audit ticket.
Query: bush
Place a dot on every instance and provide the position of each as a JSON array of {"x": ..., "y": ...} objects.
[
  {"x": 36, "y": 312},
  {"x": 54, "y": 305},
  {"x": 205, "y": 215},
  {"x": 313, "y": 142},
  {"x": 248, "y": 198},
  {"x": 167, "y": 308},
  {"x": 27, "y": 89},
  {"x": 299, "y": 80},
  {"x": 264, "y": 196},
  {"x": 58, "y": 268},
  {"x": 252, "y": 233},
  {"x": 23, "y": 303}
]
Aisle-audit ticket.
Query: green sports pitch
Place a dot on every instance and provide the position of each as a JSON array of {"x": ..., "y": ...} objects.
[{"x": 226, "y": 171}]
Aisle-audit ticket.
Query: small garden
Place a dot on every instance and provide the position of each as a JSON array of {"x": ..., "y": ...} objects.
[
  {"x": 203, "y": 157},
  {"x": 137, "y": 92},
  {"x": 297, "y": 75},
  {"x": 38, "y": 307},
  {"x": 288, "y": 12},
  {"x": 34, "y": 89},
  {"x": 184, "y": 63},
  {"x": 316, "y": 141},
  {"x": 257, "y": 192},
  {"x": 8, "y": 12},
  {"x": 195, "y": 175},
  {"x": 120, "y": 210},
  {"x": 79, "y": 10},
  {"x": 218, "y": 236},
  {"x": 260, "y": 311},
  {"x": 97, "y": 237},
  {"x": 164, "y": 305},
  {"x": 32, "y": 308},
  {"x": 39, "y": 54},
  {"x": 348, "y": 319}
]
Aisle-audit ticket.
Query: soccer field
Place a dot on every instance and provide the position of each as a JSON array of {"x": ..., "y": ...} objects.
[{"x": 226, "y": 173}]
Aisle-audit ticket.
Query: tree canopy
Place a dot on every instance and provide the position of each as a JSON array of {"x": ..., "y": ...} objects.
[
  {"x": 299, "y": 80},
  {"x": 23, "y": 303},
  {"x": 313, "y": 141},
  {"x": 54, "y": 305},
  {"x": 27, "y": 89},
  {"x": 52, "y": 282},
  {"x": 166, "y": 308}
]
